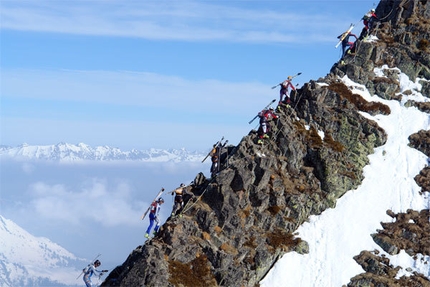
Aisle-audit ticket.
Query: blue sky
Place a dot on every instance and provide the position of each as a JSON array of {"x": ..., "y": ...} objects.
[{"x": 163, "y": 74}]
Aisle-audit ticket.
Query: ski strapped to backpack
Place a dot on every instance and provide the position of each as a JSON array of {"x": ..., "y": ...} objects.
[
  {"x": 88, "y": 266},
  {"x": 265, "y": 108},
  {"x": 290, "y": 77},
  {"x": 343, "y": 36},
  {"x": 149, "y": 208},
  {"x": 215, "y": 145}
]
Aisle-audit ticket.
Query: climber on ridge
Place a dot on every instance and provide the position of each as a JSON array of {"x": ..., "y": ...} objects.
[
  {"x": 90, "y": 271},
  {"x": 283, "y": 92},
  {"x": 347, "y": 46},
  {"x": 266, "y": 116},
  {"x": 215, "y": 158},
  {"x": 179, "y": 199},
  {"x": 369, "y": 20},
  {"x": 153, "y": 216}
]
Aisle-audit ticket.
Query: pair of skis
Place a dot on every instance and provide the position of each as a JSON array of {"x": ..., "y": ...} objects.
[
  {"x": 149, "y": 208},
  {"x": 290, "y": 77},
  {"x": 343, "y": 36},
  {"x": 265, "y": 108},
  {"x": 215, "y": 145}
]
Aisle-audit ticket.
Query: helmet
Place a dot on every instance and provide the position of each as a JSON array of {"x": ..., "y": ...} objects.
[
  {"x": 372, "y": 10},
  {"x": 160, "y": 199},
  {"x": 182, "y": 185},
  {"x": 289, "y": 78},
  {"x": 97, "y": 262},
  {"x": 271, "y": 108}
]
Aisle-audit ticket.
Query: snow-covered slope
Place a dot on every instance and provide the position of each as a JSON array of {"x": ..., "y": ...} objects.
[
  {"x": 26, "y": 260},
  {"x": 339, "y": 234},
  {"x": 66, "y": 152}
]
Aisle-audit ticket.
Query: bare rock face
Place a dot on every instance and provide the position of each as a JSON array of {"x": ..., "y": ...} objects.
[{"x": 240, "y": 222}]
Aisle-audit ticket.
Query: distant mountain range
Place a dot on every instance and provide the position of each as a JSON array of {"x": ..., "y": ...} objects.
[
  {"x": 66, "y": 152},
  {"x": 26, "y": 260}
]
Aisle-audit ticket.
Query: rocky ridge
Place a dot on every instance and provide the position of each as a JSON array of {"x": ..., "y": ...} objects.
[{"x": 244, "y": 219}]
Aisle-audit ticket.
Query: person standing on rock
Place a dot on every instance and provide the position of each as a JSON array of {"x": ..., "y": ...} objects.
[
  {"x": 215, "y": 157},
  {"x": 347, "y": 46},
  {"x": 283, "y": 92},
  {"x": 266, "y": 116},
  {"x": 178, "y": 200},
  {"x": 153, "y": 216},
  {"x": 368, "y": 21}
]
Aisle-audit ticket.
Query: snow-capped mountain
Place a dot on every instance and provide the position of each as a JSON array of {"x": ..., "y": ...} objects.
[
  {"x": 66, "y": 152},
  {"x": 26, "y": 260}
]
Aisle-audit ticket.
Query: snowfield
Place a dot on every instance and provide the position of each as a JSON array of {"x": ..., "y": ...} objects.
[{"x": 339, "y": 234}]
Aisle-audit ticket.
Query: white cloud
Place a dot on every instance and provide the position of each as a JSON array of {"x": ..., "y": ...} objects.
[
  {"x": 169, "y": 20},
  {"x": 96, "y": 202},
  {"x": 128, "y": 88}
]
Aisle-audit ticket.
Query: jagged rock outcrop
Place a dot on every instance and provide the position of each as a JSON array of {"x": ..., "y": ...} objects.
[
  {"x": 379, "y": 272},
  {"x": 410, "y": 232},
  {"x": 404, "y": 43},
  {"x": 241, "y": 221}
]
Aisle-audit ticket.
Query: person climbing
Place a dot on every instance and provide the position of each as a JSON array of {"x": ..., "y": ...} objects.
[
  {"x": 179, "y": 200},
  {"x": 266, "y": 116},
  {"x": 369, "y": 20},
  {"x": 284, "y": 91},
  {"x": 215, "y": 153},
  {"x": 90, "y": 270},
  {"x": 153, "y": 216},
  {"x": 347, "y": 46}
]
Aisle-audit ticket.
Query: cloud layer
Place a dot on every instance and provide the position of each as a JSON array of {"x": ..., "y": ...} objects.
[{"x": 95, "y": 201}]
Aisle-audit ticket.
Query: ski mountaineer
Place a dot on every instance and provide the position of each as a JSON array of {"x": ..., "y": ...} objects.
[
  {"x": 368, "y": 21},
  {"x": 90, "y": 270},
  {"x": 266, "y": 116},
  {"x": 179, "y": 200},
  {"x": 153, "y": 216},
  {"x": 284, "y": 91},
  {"x": 347, "y": 46},
  {"x": 215, "y": 153}
]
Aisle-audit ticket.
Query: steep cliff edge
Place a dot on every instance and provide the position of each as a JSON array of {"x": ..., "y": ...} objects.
[{"x": 240, "y": 222}]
